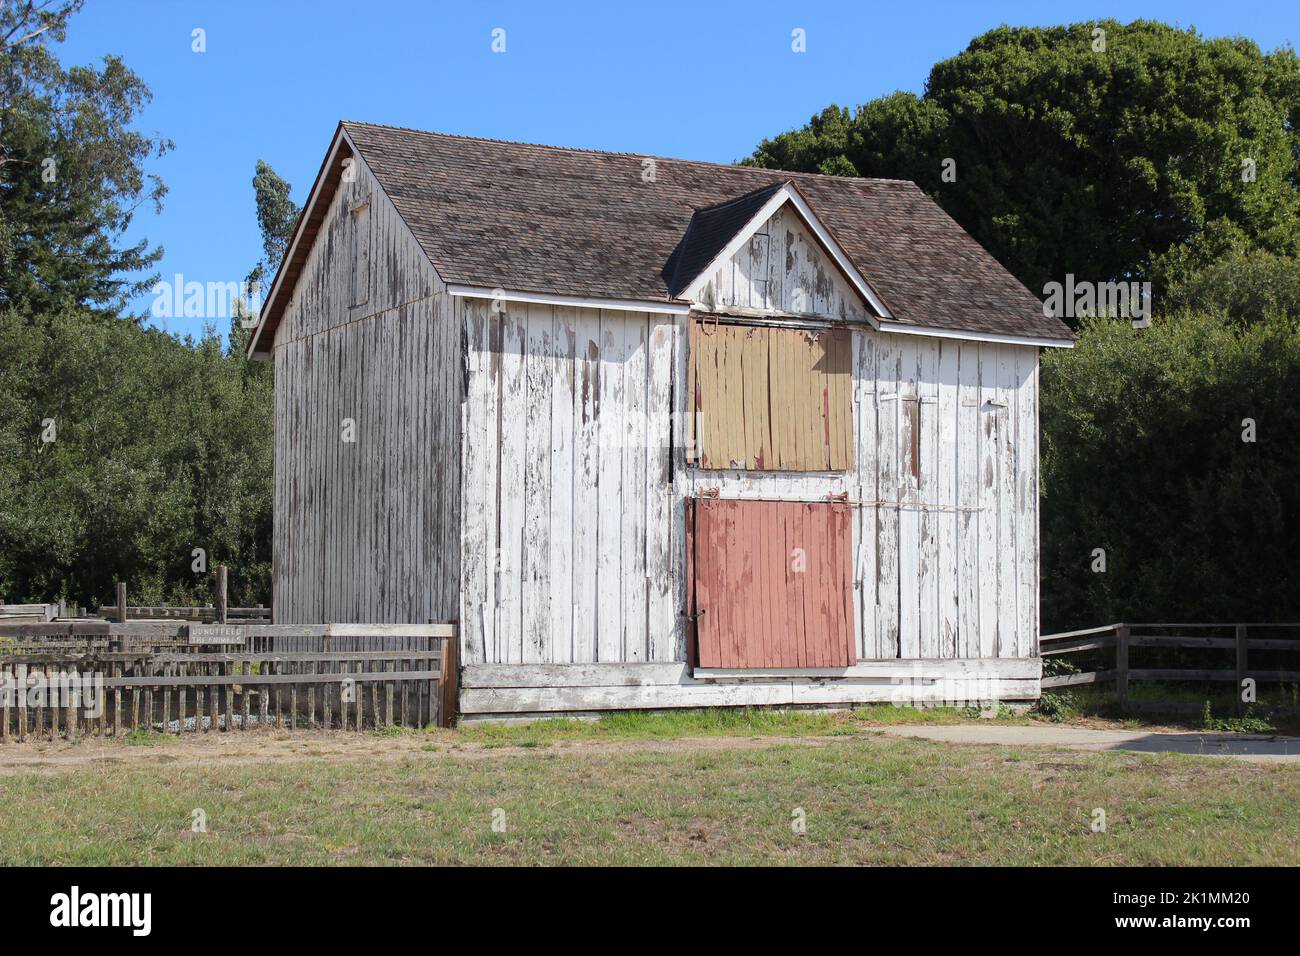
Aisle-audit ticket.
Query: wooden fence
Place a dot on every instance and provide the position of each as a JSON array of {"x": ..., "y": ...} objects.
[
  {"x": 121, "y": 612},
  {"x": 1234, "y": 638},
  {"x": 97, "y": 678}
]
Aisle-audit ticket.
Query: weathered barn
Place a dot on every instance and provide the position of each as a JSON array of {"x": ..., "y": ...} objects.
[{"x": 654, "y": 432}]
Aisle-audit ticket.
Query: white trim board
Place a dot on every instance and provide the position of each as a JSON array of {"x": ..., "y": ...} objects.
[
  {"x": 789, "y": 194},
  {"x": 901, "y": 329},
  {"x": 534, "y": 700},
  {"x": 575, "y": 301},
  {"x": 914, "y": 671}
]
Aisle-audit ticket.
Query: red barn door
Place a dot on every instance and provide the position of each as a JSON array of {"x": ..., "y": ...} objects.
[{"x": 771, "y": 583}]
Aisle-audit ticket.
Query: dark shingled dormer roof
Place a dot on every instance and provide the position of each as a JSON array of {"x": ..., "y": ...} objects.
[
  {"x": 574, "y": 222},
  {"x": 709, "y": 232}
]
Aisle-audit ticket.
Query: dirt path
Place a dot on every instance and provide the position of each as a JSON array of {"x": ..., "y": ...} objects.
[
  {"x": 334, "y": 747},
  {"x": 1256, "y": 749}
]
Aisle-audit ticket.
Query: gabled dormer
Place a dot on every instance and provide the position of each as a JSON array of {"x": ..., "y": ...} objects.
[{"x": 767, "y": 252}]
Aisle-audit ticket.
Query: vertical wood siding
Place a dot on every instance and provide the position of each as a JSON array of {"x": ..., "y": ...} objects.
[
  {"x": 570, "y": 519},
  {"x": 368, "y": 530},
  {"x": 954, "y": 569}
]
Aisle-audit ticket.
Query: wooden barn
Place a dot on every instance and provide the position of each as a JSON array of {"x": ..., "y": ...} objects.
[{"x": 655, "y": 433}]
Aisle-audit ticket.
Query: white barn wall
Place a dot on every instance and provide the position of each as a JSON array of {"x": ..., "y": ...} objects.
[
  {"x": 567, "y": 545},
  {"x": 592, "y": 499}
]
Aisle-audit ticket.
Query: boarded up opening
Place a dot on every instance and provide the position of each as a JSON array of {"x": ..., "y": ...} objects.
[
  {"x": 773, "y": 399},
  {"x": 771, "y": 583}
]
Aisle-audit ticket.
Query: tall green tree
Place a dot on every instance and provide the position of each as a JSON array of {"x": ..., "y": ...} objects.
[
  {"x": 71, "y": 170},
  {"x": 1110, "y": 151},
  {"x": 277, "y": 214}
]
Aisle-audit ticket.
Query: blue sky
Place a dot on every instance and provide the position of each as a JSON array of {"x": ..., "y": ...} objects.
[{"x": 704, "y": 80}]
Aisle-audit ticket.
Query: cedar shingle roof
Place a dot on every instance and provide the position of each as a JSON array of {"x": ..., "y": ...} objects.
[{"x": 579, "y": 222}]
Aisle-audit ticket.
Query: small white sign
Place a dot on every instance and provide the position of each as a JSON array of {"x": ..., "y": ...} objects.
[{"x": 216, "y": 633}]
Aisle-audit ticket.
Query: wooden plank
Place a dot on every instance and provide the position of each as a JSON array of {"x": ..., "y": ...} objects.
[
  {"x": 692, "y": 407},
  {"x": 536, "y": 497},
  {"x": 1026, "y": 501},
  {"x": 731, "y": 419},
  {"x": 662, "y": 523},
  {"x": 866, "y": 518},
  {"x": 478, "y": 494},
  {"x": 931, "y": 501},
  {"x": 1242, "y": 669},
  {"x": 909, "y": 529},
  {"x": 552, "y": 699},
  {"x": 888, "y": 412},
  {"x": 561, "y": 532},
  {"x": 990, "y": 438},
  {"x": 840, "y": 386},
  {"x": 1121, "y": 666},
  {"x": 586, "y": 503},
  {"x": 1065, "y": 635},
  {"x": 229, "y": 680},
  {"x": 1009, "y": 638},
  {"x": 512, "y": 419},
  {"x": 691, "y": 576},
  {"x": 891, "y": 669},
  {"x": 635, "y": 494},
  {"x": 756, "y": 400},
  {"x": 1082, "y": 644},
  {"x": 946, "y": 471},
  {"x": 1074, "y": 680},
  {"x": 1206, "y": 643},
  {"x": 612, "y": 437}
]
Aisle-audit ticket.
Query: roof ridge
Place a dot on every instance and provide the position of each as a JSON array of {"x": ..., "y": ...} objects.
[{"x": 615, "y": 152}]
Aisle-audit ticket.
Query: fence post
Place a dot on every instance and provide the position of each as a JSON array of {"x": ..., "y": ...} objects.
[
  {"x": 221, "y": 594},
  {"x": 121, "y": 602},
  {"x": 1241, "y": 668},
  {"x": 1121, "y": 666},
  {"x": 450, "y": 680}
]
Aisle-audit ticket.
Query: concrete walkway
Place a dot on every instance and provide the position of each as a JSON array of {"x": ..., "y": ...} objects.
[{"x": 1256, "y": 749}]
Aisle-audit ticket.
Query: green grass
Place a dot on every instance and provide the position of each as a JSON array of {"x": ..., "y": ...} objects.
[
  {"x": 143, "y": 737},
  {"x": 709, "y": 722},
  {"x": 867, "y": 800}
]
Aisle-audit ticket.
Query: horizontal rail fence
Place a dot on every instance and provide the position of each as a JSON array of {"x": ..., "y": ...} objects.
[
  {"x": 88, "y": 679},
  {"x": 205, "y": 614},
  {"x": 1275, "y": 652}
]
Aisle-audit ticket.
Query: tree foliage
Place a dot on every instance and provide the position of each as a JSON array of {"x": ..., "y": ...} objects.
[
  {"x": 71, "y": 170},
  {"x": 277, "y": 214},
  {"x": 160, "y": 446},
  {"x": 1117, "y": 163},
  {"x": 1144, "y": 457}
]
